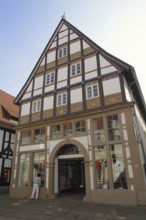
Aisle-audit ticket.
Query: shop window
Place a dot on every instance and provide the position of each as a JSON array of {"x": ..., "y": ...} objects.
[
  {"x": 113, "y": 127},
  {"x": 80, "y": 127},
  {"x": 23, "y": 174},
  {"x": 39, "y": 166},
  {"x": 101, "y": 167},
  {"x": 25, "y": 137},
  {"x": 98, "y": 132},
  {"x": 67, "y": 129},
  {"x": 118, "y": 167},
  {"x": 39, "y": 135},
  {"x": 56, "y": 131}
]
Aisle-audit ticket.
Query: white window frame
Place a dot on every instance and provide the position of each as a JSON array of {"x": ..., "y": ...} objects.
[
  {"x": 61, "y": 99},
  {"x": 62, "y": 52},
  {"x": 50, "y": 78},
  {"x": 36, "y": 106},
  {"x": 91, "y": 93},
  {"x": 75, "y": 69}
]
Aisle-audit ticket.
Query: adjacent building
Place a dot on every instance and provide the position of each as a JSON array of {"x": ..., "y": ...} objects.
[
  {"x": 8, "y": 121},
  {"x": 82, "y": 124}
]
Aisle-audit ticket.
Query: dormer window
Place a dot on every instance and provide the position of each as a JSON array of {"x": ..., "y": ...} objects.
[
  {"x": 62, "y": 52},
  {"x": 36, "y": 106},
  {"x": 50, "y": 78}
]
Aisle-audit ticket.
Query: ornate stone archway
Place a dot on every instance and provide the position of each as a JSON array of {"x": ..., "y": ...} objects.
[{"x": 53, "y": 155}]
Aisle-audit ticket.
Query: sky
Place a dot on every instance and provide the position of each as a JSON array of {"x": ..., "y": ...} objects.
[{"x": 26, "y": 26}]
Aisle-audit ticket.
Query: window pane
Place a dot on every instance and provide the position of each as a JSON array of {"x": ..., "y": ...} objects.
[
  {"x": 95, "y": 91},
  {"x": 48, "y": 79},
  {"x": 56, "y": 131},
  {"x": 113, "y": 127},
  {"x": 67, "y": 129},
  {"x": 23, "y": 175},
  {"x": 25, "y": 137},
  {"x": 101, "y": 167},
  {"x": 89, "y": 92},
  {"x": 118, "y": 167},
  {"x": 34, "y": 107},
  {"x": 64, "y": 99},
  {"x": 73, "y": 70},
  {"x": 80, "y": 127},
  {"x": 52, "y": 77},
  {"x": 78, "y": 68},
  {"x": 99, "y": 134},
  {"x": 39, "y": 135},
  {"x": 59, "y": 100},
  {"x": 39, "y": 166}
]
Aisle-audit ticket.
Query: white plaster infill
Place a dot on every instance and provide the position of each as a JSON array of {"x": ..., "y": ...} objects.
[{"x": 32, "y": 147}]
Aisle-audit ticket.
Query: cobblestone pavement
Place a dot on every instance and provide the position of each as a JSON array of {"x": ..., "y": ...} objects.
[{"x": 65, "y": 207}]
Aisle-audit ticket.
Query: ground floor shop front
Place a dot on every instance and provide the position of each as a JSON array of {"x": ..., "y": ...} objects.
[{"x": 98, "y": 156}]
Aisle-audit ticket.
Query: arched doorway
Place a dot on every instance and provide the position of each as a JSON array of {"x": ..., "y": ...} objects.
[{"x": 71, "y": 175}]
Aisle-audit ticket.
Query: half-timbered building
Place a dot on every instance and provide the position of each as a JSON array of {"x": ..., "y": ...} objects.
[
  {"x": 8, "y": 121},
  {"x": 81, "y": 125}
]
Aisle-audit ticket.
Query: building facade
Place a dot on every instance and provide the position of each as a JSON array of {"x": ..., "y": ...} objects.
[
  {"x": 8, "y": 122},
  {"x": 82, "y": 124}
]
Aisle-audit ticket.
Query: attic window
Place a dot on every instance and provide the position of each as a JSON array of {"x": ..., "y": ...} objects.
[{"x": 62, "y": 52}]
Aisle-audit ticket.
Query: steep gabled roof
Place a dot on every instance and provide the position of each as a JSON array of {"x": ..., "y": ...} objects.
[
  {"x": 9, "y": 112},
  {"x": 127, "y": 69}
]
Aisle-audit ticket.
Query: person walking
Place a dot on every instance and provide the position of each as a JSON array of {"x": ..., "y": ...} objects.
[{"x": 36, "y": 185}]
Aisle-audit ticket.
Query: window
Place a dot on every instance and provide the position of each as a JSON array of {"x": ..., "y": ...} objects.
[
  {"x": 113, "y": 127},
  {"x": 23, "y": 174},
  {"x": 56, "y": 131},
  {"x": 39, "y": 166},
  {"x": 92, "y": 91},
  {"x": 67, "y": 129},
  {"x": 25, "y": 137},
  {"x": 36, "y": 106},
  {"x": 62, "y": 99},
  {"x": 75, "y": 69},
  {"x": 101, "y": 167},
  {"x": 39, "y": 135},
  {"x": 118, "y": 167},
  {"x": 62, "y": 52},
  {"x": 80, "y": 127},
  {"x": 99, "y": 133},
  {"x": 50, "y": 78}
]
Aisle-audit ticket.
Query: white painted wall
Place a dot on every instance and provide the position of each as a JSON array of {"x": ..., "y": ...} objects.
[
  {"x": 25, "y": 109},
  {"x": 43, "y": 62},
  {"x": 63, "y": 40},
  {"x": 103, "y": 62},
  {"x": 37, "y": 92},
  {"x": 26, "y": 95},
  {"x": 29, "y": 87},
  {"x": 62, "y": 74},
  {"x": 38, "y": 83},
  {"x": 91, "y": 75},
  {"x": 76, "y": 80},
  {"x": 62, "y": 84},
  {"x": 90, "y": 64},
  {"x": 76, "y": 95},
  {"x": 48, "y": 102},
  {"x": 63, "y": 33},
  {"x": 85, "y": 45},
  {"x": 32, "y": 147},
  {"x": 54, "y": 44},
  {"x": 111, "y": 86},
  {"x": 51, "y": 56},
  {"x": 73, "y": 36},
  {"x": 108, "y": 70},
  {"x": 75, "y": 47},
  {"x": 64, "y": 27},
  {"x": 49, "y": 88}
]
